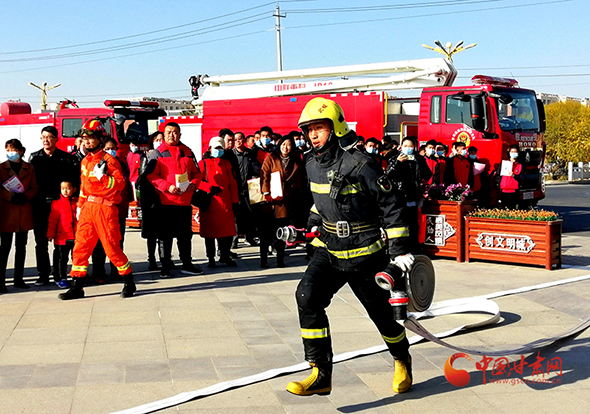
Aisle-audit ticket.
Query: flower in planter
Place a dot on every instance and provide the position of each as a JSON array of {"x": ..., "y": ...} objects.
[
  {"x": 453, "y": 192},
  {"x": 456, "y": 192},
  {"x": 531, "y": 215}
]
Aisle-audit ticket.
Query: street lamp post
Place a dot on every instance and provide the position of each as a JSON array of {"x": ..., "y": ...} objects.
[
  {"x": 449, "y": 50},
  {"x": 43, "y": 88}
]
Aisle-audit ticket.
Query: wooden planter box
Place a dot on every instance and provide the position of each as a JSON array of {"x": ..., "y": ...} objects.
[
  {"x": 514, "y": 241},
  {"x": 443, "y": 226}
]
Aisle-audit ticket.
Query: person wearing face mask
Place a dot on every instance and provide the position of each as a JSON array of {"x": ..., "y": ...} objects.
[
  {"x": 244, "y": 217},
  {"x": 16, "y": 211},
  {"x": 218, "y": 221},
  {"x": 458, "y": 169},
  {"x": 149, "y": 201},
  {"x": 407, "y": 172},
  {"x": 98, "y": 254},
  {"x": 509, "y": 184},
  {"x": 481, "y": 188},
  {"x": 265, "y": 143},
  {"x": 133, "y": 161},
  {"x": 440, "y": 155},
  {"x": 285, "y": 161},
  {"x": 432, "y": 161},
  {"x": 101, "y": 184},
  {"x": 229, "y": 140},
  {"x": 372, "y": 146}
]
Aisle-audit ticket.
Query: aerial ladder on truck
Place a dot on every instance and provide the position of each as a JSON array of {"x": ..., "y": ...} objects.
[{"x": 406, "y": 74}]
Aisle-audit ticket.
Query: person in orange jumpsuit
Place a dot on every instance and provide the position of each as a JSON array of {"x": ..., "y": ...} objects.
[{"x": 101, "y": 184}]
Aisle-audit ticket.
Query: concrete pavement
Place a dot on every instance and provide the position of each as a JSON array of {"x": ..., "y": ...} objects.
[{"x": 103, "y": 353}]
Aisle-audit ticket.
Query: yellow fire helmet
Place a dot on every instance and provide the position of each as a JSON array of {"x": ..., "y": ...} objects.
[{"x": 320, "y": 109}]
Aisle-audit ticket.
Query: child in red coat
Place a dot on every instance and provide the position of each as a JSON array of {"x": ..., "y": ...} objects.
[{"x": 62, "y": 230}]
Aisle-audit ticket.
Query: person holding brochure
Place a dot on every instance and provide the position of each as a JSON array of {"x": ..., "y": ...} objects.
[
  {"x": 218, "y": 221},
  {"x": 509, "y": 172},
  {"x": 281, "y": 183},
  {"x": 170, "y": 167},
  {"x": 19, "y": 187}
]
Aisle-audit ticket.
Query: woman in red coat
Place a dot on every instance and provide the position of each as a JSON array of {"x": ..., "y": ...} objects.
[
  {"x": 16, "y": 211},
  {"x": 218, "y": 221}
]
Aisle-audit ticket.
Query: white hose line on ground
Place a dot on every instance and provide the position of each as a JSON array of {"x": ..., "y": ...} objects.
[{"x": 480, "y": 304}]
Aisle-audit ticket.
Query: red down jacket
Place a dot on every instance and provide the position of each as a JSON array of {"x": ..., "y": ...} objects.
[
  {"x": 168, "y": 161},
  {"x": 62, "y": 220}
]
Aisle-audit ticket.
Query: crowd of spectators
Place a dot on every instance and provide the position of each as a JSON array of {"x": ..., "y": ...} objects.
[{"x": 166, "y": 179}]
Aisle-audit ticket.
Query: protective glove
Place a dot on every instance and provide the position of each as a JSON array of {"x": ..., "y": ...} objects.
[
  {"x": 99, "y": 170},
  {"x": 404, "y": 262},
  {"x": 18, "y": 198},
  {"x": 215, "y": 190}
]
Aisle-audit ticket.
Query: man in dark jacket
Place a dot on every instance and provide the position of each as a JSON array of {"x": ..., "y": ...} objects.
[
  {"x": 244, "y": 218},
  {"x": 52, "y": 166}
]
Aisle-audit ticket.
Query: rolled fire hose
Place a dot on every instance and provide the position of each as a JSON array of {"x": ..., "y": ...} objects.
[{"x": 479, "y": 304}]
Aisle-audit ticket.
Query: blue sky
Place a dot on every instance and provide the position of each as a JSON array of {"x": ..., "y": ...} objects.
[{"x": 542, "y": 43}]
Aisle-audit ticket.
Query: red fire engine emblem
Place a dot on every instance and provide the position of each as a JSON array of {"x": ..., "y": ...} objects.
[{"x": 384, "y": 184}]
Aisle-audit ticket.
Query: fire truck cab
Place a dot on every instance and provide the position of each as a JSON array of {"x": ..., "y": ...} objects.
[{"x": 123, "y": 120}]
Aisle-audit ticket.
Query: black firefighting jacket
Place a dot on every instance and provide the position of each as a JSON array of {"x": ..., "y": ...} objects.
[{"x": 363, "y": 201}]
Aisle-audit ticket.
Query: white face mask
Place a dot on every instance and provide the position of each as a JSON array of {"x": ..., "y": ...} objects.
[
  {"x": 157, "y": 144},
  {"x": 514, "y": 155},
  {"x": 429, "y": 151}
]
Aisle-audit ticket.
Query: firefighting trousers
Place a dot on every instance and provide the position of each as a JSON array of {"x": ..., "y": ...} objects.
[
  {"x": 98, "y": 222},
  {"x": 321, "y": 282}
]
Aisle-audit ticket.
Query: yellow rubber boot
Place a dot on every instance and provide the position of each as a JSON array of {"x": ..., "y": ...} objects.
[
  {"x": 402, "y": 375},
  {"x": 319, "y": 382}
]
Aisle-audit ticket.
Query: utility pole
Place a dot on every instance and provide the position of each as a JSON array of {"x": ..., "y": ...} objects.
[
  {"x": 278, "y": 15},
  {"x": 43, "y": 88}
]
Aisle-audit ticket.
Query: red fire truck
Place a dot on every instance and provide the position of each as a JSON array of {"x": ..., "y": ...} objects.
[
  {"x": 123, "y": 120},
  {"x": 491, "y": 114}
]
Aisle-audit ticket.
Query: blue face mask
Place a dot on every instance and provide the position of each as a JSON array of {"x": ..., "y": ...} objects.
[
  {"x": 133, "y": 149},
  {"x": 216, "y": 153},
  {"x": 371, "y": 150},
  {"x": 265, "y": 141},
  {"x": 514, "y": 155},
  {"x": 12, "y": 156},
  {"x": 299, "y": 143},
  {"x": 440, "y": 153},
  {"x": 463, "y": 152},
  {"x": 111, "y": 152},
  {"x": 473, "y": 156},
  {"x": 429, "y": 151},
  {"x": 407, "y": 150}
]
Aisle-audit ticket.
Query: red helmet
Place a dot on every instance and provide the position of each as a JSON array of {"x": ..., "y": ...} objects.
[{"x": 93, "y": 127}]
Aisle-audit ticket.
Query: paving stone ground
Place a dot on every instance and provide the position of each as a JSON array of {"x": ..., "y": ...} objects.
[{"x": 103, "y": 353}]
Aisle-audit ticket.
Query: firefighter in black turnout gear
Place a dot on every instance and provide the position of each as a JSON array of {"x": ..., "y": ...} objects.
[{"x": 353, "y": 201}]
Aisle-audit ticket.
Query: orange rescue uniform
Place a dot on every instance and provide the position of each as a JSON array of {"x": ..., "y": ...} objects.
[{"x": 99, "y": 216}]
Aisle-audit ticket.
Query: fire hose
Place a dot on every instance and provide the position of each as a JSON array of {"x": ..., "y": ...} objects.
[{"x": 420, "y": 290}]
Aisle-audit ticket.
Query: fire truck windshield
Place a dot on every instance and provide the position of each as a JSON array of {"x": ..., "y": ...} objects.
[
  {"x": 520, "y": 114},
  {"x": 135, "y": 125}
]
